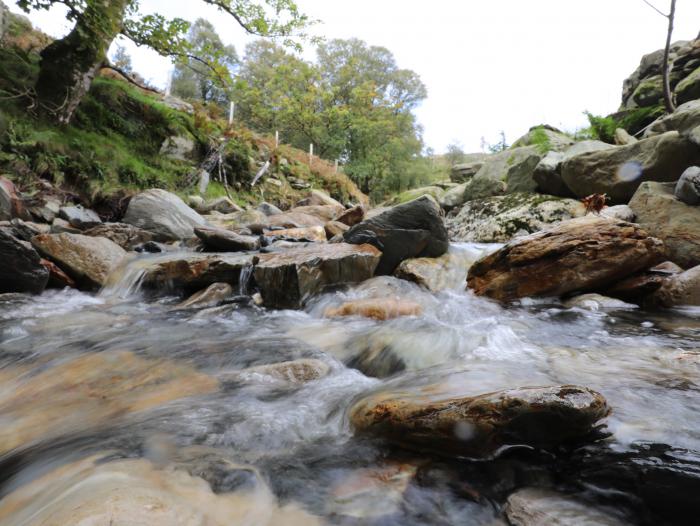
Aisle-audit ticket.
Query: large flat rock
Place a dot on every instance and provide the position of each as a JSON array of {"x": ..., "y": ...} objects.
[
  {"x": 582, "y": 254},
  {"x": 290, "y": 277}
]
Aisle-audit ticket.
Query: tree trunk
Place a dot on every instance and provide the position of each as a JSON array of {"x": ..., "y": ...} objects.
[
  {"x": 69, "y": 65},
  {"x": 668, "y": 95}
]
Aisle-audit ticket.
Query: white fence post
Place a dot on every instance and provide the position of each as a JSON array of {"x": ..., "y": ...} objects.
[
  {"x": 311, "y": 153},
  {"x": 230, "y": 113},
  {"x": 277, "y": 139}
]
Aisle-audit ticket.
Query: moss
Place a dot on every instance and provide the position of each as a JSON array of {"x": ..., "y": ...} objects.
[{"x": 540, "y": 139}]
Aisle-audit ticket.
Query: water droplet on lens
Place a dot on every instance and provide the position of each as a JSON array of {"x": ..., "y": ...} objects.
[
  {"x": 464, "y": 430},
  {"x": 630, "y": 171}
]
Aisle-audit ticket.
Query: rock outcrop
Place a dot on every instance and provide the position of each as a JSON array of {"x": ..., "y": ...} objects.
[
  {"x": 163, "y": 214},
  {"x": 88, "y": 260},
  {"x": 218, "y": 239},
  {"x": 674, "y": 222},
  {"x": 505, "y": 172},
  {"x": 499, "y": 219},
  {"x": 413, "y": 229},
  {"x": 579, "y": 255},
  {"x": 20, "y": 266},
  {"x": 480, "y": 425},
  {"x": 289, "y": 278},
  {"x": 619, "y": 171},
  {"x": 126, "y": 236}
]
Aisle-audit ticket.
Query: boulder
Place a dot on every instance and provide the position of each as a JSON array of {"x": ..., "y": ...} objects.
[
  {"x": 11, "y": 204},
  {"x": 213, "y": 295},
  {"x": 505, "y": 172},
  {"x": 238, "y": 220},
  {"x": 126, "y": 236},
  {"x": 453, "y": 197},
  {"x": 318, "y": 197},
  {"x": 688, "y": 89},
  {"x": 287, "y": 279},
  {"x": 221, "y": 204},
  {"x": 312, "y": 233},
  {"x": 57, "y": 278},
  {"x": 479, "y": 425},
  {"x": 323, "y": 212},
  {"x": 638, "y": 288},
  {"x": 376, "y": 308},
  {"x": 547, "y": 173},
  {"x": 163, "y": 214},
  {"x": 294, "y": 372},
  {"x": 20, "y": 266},
  {"x": 61, "y": 226},
  {"x": 413, "y": 229},
  {"x": 619, "y": 171},
  {"x": 685, "y": 118},
  {"x": 409, "y": 195},
  {"x": 268, "y": 209},
  {"x": 352, "y": 215},
  {"x": 179, "y": 148},
  {"x": 676, "y": 223},
  {"x": 293, "y": 219},
  {"x": 471, "y": 164},
  {"x": 79, "y": 217},
  {"x": 545, "y": 138},
  {"x": 499, "y": 219},
  {"x": 191, "y": 272},
  {"x": 540, "y": 507},
  {"x": 24, "y": 230},
  {"x": 579, "y": 255},
  {"x": 622, "y": 137},
  {"x": 335, "y": 228},
  {"x": 88, "y": 260},
  {"x": 218, "y": 239},
  {"x": 688, "y": 186},
  {"x": 46, "y": 209},
  {"x": 679, "y": 290}
]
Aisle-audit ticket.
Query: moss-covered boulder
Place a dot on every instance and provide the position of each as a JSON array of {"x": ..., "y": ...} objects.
[
  {"x": 505, "y": 172},
  {"x": 499, "y": 219},
  {"x": 415, "y": 193},
  {"x": 689, "y": 88},
  {"x": 545, "y": 138}
]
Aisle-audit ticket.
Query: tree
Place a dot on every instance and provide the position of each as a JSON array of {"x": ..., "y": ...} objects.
[
  {"x": 666, "y": 72},
  {"x": 122, "y": 60},
  {"x": 455, "y": 153},
  {"x": 68, "y": 65},
  {"x": 194, "y": 80}
]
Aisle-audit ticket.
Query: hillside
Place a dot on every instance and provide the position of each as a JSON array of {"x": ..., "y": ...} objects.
[{"x": 125, "y": 138}]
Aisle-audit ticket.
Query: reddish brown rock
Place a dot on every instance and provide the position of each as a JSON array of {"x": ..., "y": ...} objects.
[
  {"x": 583, "y": 254},
  {"x": 57, "y": 278},
  {"x": 311, "y": 233},
  {"x": 480, "y": 425},
  {"x": 376, "y": 308},
  {"x": 352, "y": 216},
  {"x": 11, "y": 205}
]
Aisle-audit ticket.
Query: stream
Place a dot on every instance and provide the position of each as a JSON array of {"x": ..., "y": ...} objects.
[{"x": 142, "y": 386}]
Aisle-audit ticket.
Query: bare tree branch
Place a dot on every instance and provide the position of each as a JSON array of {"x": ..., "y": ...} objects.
[
  {"x": 655, "y": 8},
  {"x": 128, "y": 77}
]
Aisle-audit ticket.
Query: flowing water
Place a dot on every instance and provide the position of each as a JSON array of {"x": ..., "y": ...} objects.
[{"x": 142, "y": 386}]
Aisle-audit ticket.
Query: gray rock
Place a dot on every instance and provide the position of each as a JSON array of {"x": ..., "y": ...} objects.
[
  {"x": 689, "y": 88},
  {"x": 178, "y": 104},
  {"x": 539, "y": 507},
  {"x": 679, "y": 290},
  {"x": 674, "y": 222},
  {"x": 622, "y": 137},
  {"x": 163, "y": 214},
  {"x": 289, "y": 278},
  {"x": 619, "y": 171},
  {"x": 88, "y": 260},
  {"x": 126, "y": 236},
  {"x": 409, "y": 195},
  {"x": 464, "y": 171},
  {"x": 222, "y": 205},
  {"x": 61, "y": 226},
  {"x": 179, "y": 148},
  {"x": 413, "y": 229},
  {"x": 688, "y": 186},
  {"x": 11, "y": 204},
  {"x": 268, "y": 209},
  {"x": 47, "y": 211},
  {"x": 453, "y": 197},
  {"x": 595, "y": 302},
  {"x": 79, "y": 217},
  {"x": 505, "y": 172},
  {"x": 196, "y": 202},
  {"x": 20, "y": 266},
  {"x": 546, "y": 138},
  {"x": 685, "y": 118},
  {"x": 225, "y": 240},
  {"x": 499, "y": 219}
]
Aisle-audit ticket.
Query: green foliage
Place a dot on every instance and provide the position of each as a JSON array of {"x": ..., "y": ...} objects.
[
  {"x": 540, "y": 139},
  {"x": 499, "y": 146},
  {"x": 122, "y": 60},
  {"x": 602, "y": 128},
  {"x": 455, "y": 153}
]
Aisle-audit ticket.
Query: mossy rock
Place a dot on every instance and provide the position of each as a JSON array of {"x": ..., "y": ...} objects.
[
  {"x": 689, "y": 88},
  {"x": 410, "y": 195},
  {"x": 649, "y": 92}
]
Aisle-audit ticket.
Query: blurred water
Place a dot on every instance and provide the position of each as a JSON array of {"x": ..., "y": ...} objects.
[{"x": 165, "y": 382}]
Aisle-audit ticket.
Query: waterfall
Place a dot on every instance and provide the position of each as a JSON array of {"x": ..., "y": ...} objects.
[{"x": 244, "y": 280}]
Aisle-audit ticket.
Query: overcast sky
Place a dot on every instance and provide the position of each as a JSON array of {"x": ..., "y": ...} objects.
[{"x": 489, "y": 65}]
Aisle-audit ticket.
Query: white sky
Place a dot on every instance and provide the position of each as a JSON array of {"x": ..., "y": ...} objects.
[{"x": 489, "y": 65}]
